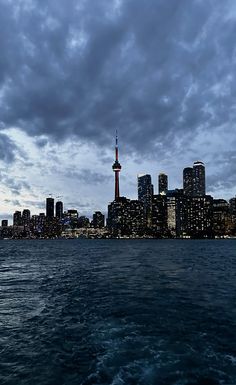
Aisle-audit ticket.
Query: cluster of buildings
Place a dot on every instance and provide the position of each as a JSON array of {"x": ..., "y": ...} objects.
[
  {"x": 186, "y": 212},
  {"x": 181, "y": 213},
  {"x": 55, "y": 223}
]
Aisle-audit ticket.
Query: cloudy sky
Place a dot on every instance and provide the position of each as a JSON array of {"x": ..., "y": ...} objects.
[{"x": 162, "y": 72}]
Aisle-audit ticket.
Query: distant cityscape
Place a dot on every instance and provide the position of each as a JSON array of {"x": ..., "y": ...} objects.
[{"x": 186, "y": 212}]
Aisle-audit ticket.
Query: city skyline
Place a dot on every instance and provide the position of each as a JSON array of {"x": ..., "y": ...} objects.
[
  {"x": 162, "y": 74},
  {"x": 185, "y": 212},
  {"x": 193, "y": 184},
  {"x": 157, "y": 188}
]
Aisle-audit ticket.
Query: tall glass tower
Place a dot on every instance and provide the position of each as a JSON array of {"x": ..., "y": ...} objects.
[
  {"x": 199, "y": 182},
  {"x": 59, "y": 209},
  {"x": 50, "y": 207},
  {"x": 188, "y": 181},
  {"x": 145, "y": 193}
]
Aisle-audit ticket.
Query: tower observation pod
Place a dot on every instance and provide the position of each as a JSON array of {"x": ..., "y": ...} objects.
[{"x": 116, "y": 168}]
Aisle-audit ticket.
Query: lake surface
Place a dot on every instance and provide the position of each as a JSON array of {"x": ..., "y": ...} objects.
[{"x": 118, "y": 312}]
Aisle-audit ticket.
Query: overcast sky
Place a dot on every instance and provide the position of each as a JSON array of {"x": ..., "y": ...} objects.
[{"x": 162, "y": 72}]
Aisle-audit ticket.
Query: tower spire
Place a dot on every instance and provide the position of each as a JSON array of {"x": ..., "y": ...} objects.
[{"x": 116, "y": 168}]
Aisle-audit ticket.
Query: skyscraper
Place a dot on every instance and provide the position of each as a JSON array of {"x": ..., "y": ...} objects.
[
  {"x": 59, "y": 209},
  {"x": 17, "y": 218},
  {"x": 145, "y": 193},
  {"x": 98, "y": 220},
  {"x": 49, "y": 207},
  {"x": 116, "y": 168},
  {"x": 162, "y": 183},
  {"x": 199, "y": 184},
  {"x": 159, "y": 215},
  {"x": 26, "y": 217},
  {"x": 188, "y": 181},
  {"x": 126, "y": 217},
  {"x": 232, "y": 206}
]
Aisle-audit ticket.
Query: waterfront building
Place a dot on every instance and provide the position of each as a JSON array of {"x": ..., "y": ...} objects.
[
  {"x": 38, "y": 224},
  {"x": 17, "y": 218},
  {"x": 59, "y": 209},
  {"x": 232, "y": 210},
  {"x": 188, "y": 181},
  {"x": 83, "y": 221},
  {"x": 171, "y": 216},
  {"x": 98, "y": 220},
  {"x": 49, "y": 207},
  {"x": 189, "y": 216},
  {"x": 162, "y": 183},
  {"x": 198, "y": 216},
  {"x": 222, "y": 223},
  {"x": 199, "y": 183},
  {"x": 159, "y": 215},
  {"x": 117, "y": 220},
  {"x": 137, "y": 221},
  {"x": 126, "y": 217},
  {"x": 145, "y": 193},
  {"x": 26, "y": 218}
]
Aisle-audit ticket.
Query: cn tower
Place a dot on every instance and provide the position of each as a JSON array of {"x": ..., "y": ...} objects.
[{"x": 116, "y": 168}]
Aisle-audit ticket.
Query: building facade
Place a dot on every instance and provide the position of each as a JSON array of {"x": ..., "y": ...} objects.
[
  {"x": 199, "y": 182},
  {"x": 49, "y": 207},
  {"x": 162, "y": 183},
  {"x": 188, "y": 181}
]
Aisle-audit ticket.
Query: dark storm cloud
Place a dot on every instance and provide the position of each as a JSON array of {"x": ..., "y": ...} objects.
[
  {"x": 7, "y": 149},
  {"x": 88, "y": 177},
  {"x": 225, "y": 177},
  {"x": 157, "y": 70}
]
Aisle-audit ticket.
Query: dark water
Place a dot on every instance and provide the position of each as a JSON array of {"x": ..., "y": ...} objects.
[{"x": 118, "y": 312}]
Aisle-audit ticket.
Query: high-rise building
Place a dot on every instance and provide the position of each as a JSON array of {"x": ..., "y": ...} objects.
[
  {"x": 59, "y": 209},
  {"x": 126, "y": 217},
  {"x": 232, "y": 210},
  {"x": 38, "y": 223},
  {"x": 83, "y": 222},
  {"x": 17, "y": 219},
  {"x": 199, "y": 183},
  {"x": 201, "y": 214},
  {"x": 232, "y": 207},
  {"x": 98, "y": 220},
  {"x": 176, "y": 212},
  {"x": 26, "y": 217},
  {"x": 171, "y": 215},
  {"x": 188, "y": 181},
  {"x": 159, "y": 215},
  {"x": 137, "y": 220},
  {"x": 116, "y": 168},
  {"x": 222, "y": 223},
  {"x": 50, "y": 207},
  {"x": 4, "y": 222},
  {"x": 162, "y": 183},
  {"x": 145, "y": 193}
]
